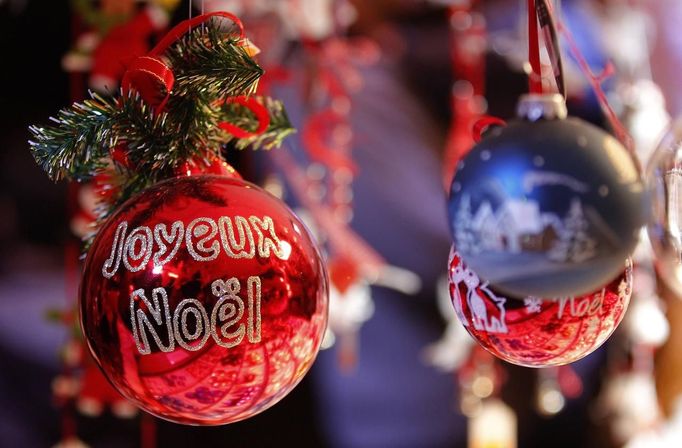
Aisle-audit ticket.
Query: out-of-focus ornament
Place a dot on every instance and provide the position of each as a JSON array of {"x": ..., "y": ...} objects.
[
  {"x": 204, "y": 300},
  {"x": 645, "y": 115},
  {"x": 661, "y": 434},
  {"x": 532, "y": 331},
  {"x": 664, "y": 180},
  {"x": 453, "y": 348},
  {"x": 119, "y": 33},
  {"x": 630, "y": 400},
  {"x": 494, "y": 426},
  {"x": 549, "y": 399},
  {"x": 554, "y": 386},
  {"x": 348, "y": 311},
  {"x": 301, "y": 19},
  {"x": 646, "y": 322},
  {"x": 547, "y": 206}
]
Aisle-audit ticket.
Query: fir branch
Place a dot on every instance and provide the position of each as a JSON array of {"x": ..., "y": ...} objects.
[
  {"x": 150, "y": 139},
  {"x": 220, "y": 65},
  {"x": 74, "y": 146},
  {"x": 208, "y": 67},
  {"x": 193, "y": 124}
]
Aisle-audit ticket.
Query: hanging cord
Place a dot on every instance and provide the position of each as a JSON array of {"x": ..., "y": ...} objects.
[
  {"x": 535, "y": 78},
  {"x": 539, "y": 11},
  {"x": 549, "y": 31}
]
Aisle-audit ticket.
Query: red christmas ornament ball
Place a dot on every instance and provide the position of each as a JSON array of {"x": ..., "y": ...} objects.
[
  {"x": 536, "y": 332},
  {"x": 204, "y": 300}
]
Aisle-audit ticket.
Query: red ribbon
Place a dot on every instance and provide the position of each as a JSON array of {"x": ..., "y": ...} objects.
[
  {"x": 185, "y": 26},
  {"x": 254, "y": 106},
  {"x": 535, "y": 78},
  {"x": 154, "y": 80},
  {"x": 151, "y": 78},
  {"x": 482, "y": 125}
]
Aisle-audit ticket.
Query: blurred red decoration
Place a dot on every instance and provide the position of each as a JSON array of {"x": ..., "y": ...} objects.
[
  {"x": 534, "y": 332},
  {"x": 204, "y": 300}
]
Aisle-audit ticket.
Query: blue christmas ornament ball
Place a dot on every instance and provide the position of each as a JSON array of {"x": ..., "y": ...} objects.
[{"x": 547, "y": 208}]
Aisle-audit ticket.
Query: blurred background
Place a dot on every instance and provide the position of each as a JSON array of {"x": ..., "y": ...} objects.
[{"x": 402, "y": 80}]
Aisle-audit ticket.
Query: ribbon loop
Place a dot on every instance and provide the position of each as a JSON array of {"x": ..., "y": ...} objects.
[
  {"x": 258, "y": 110},
  {"x": 185, "y": 26},
  {"x": 151, "y": 78},
  {"x": 483, "y": 124}
]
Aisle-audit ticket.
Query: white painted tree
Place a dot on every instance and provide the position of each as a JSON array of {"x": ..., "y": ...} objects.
[
  {"x": 465, "y": 234},
  {"x": 574, "y": 244}
]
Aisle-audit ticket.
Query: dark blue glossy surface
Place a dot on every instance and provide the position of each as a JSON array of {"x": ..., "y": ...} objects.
[{"x": 550, "y": 209}]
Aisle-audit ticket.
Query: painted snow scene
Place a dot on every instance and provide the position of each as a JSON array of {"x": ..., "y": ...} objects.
[
  {"x": 531, "y": 331},
  {"x": 540, "y": 229},
  {"x": 550, "y": 208}
]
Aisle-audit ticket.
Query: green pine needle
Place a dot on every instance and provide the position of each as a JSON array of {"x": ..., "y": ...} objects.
[
  {"x": 207, "y": 62},
  {"x": 73, "y": 147},
  {"x": 209, "y": 67}
]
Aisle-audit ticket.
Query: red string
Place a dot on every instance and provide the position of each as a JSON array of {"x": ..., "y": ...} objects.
[
  {"x": 151, "y": 77},
  {"x": 254, "y": 106},
  {"x": 147, "y": 431},
  {"x": 535, "y": 78}
]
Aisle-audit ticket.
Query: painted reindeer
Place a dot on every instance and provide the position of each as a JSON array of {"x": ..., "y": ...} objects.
[{"x": 479, "y": 297}]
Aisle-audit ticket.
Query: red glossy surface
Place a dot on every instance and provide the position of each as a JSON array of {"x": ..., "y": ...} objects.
[
  {"x": 534, "y": 332},
  {"x": 208, "y": 383}
]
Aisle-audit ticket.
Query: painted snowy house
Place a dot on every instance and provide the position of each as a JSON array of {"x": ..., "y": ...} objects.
[
  {"x": 517, "y": 226},
  {"x": 516, "y": 220}
]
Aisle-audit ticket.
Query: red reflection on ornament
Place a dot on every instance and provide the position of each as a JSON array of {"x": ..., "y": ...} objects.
[
  {"x": 534, "y": 332},
  {"x": 195, "y": 245}
]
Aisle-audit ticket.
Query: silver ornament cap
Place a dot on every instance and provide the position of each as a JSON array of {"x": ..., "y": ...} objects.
[{"x": 534, "y": 107}]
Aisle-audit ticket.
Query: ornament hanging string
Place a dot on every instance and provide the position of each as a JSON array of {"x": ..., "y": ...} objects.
[
  {"x": 538, "y": 12},
  {"x": 154, "y": 80},
  {"x": 482, "y": 124},
  {"x": 551, "y": 44},
  {"x": 535, "y": 77}
]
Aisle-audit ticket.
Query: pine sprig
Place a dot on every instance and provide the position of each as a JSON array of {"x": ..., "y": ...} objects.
[
  {"x": 209, "y": 66},
  {"x": 80, "y": 137},
  {"x": 220, "y": 66}
]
